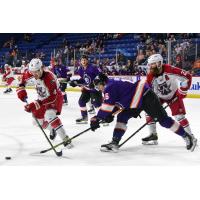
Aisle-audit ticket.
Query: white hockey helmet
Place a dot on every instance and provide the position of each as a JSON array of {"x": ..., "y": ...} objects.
[
  {"x": 155, "y": 58},
  {"x": 35, "y": 64},
  {"x": 6, "y": 65}
]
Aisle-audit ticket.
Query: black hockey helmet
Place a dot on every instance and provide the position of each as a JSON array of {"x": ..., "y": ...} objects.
[{"x": 100, "y": 79}]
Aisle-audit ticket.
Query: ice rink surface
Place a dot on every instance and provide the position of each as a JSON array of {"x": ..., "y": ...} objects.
[{"x": 20, "y": 140}]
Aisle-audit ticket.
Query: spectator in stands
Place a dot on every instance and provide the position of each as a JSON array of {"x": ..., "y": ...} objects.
[
  {"x": 28, "y": 37},
  {"x": 148, "y": 40},
  {"x": 10, "y": 43},
  {"x": 179, "y": 63},
  {"x": 129, "y": 67},
  {"x": 140, "y": 58},
  {"x": 196, "y": 68}
]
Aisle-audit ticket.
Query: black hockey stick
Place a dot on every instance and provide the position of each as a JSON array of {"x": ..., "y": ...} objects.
[
  {"x": 58, "y": 153},
  {"x": 75, "y": 136},
  {"x": 173, "y": 100},
  {"x": 61, "y": 143}
]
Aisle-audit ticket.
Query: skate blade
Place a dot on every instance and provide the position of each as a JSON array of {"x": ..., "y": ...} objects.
[
  {"x": 153, "y": 142},
  {"x": 91, "y": 113},
  {"x": 109, "y": 150},
  {"x": 105, "y": 124},
  {"x": 81, "y": 122}
]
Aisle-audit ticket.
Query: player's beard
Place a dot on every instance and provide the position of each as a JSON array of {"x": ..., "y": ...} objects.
[{"x": 155, "y": 71}]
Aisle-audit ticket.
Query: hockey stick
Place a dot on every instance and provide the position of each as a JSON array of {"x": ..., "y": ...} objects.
[
  {"x": 58, "y": 153},
  {"x": 173, "y": 100},
  {"x": 77, "y": 135}
]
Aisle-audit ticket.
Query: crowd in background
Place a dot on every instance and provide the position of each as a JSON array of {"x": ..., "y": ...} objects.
[{"x": 182, "y": 51}]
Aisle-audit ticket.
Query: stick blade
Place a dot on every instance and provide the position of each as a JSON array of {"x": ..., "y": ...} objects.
[{"x": 59, "y": 153}]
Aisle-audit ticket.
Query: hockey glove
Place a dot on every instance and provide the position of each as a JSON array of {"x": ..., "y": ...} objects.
[
  {"x": 73, "y": 83},
  {"x": 109, "y": 119},
  {"x": 94, "y": 123},
  {"x": 22, "y": 94},
  {"x": 31, "y": 107}
]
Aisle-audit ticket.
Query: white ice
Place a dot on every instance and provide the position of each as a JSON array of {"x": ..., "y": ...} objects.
[{"x": 19, "y": 139}]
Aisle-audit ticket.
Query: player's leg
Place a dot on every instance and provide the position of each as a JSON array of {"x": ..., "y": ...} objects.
[
  {"x": 8, "y": 85},
  {"x": 63, "y": 87},
  {"x": 178, "y": 111},
  {"x": 119, "y": 130},
  {"x": 55, "y": 123},
  {"x": 153, "y": 107},
  {"x": 152, "y": 138},
  {"x": 84, "y": 98},
  {"x": 91, "y": 108}
]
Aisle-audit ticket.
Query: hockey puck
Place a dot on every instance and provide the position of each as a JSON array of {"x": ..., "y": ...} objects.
[{"x": 8, "y": 158}]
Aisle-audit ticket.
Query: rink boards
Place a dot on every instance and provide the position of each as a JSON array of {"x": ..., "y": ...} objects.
[{"x": 193, "y": 92}]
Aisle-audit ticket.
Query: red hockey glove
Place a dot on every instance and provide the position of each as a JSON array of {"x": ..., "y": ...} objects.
[
  {"x": 22, "y": 95},
  {"x": 32, "y": 106}
]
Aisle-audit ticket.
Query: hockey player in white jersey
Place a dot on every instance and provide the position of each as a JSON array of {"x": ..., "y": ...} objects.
[
  {"x": 164, "y": 80},
  {"x": 48, "y": 106},
  {"x": 8, "y": 77}
]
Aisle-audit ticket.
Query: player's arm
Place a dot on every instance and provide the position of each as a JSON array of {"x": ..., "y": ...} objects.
[
  {"x": 185, "y": 78},
  {"x": 105, "y": 112},
  {"x": 21, "y": 91}
]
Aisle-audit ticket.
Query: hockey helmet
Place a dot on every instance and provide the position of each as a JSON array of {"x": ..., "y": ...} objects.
[
  {"x": 100, "y": 79},
  {"x": 35, "y": 64},
  {"x": 155, "y": 58}
]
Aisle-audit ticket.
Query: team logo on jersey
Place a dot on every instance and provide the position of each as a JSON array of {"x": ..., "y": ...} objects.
[
  {"x": 106, "y": 96},
  {"x": 164, "y": 89},
  {"x": 41, "y": 91},
  {"x": 87, "y": 79}
]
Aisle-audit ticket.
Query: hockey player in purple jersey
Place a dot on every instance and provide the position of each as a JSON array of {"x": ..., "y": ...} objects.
[
  {"x": 87, "y": 73},
  {"x": 63, "y": 74},
  {"x": 132, "y": 98}
]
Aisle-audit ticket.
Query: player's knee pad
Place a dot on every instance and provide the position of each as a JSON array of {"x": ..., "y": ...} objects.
[
  {"x": 119, "y": 130},
  {"x": 182, "y": 120},
  {"x": 166, "y": 122},
  {"x": 149, "y": 119},
  {"x": 81, "y": 103},
  {"x": 84, "y": 98},
  {"x": 120, "y": 125},
  {"x": 123, "y": 117}
]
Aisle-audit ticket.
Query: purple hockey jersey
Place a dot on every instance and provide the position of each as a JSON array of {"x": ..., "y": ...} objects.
[
  {"x": 123, "y": 93},
  {"x": 88, "y": 75}
]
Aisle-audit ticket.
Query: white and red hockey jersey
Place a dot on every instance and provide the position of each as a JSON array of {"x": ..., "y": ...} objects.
[
  {"x": 47, "y": 87},
  {"x": 8, "y": 72},
  {"x": 166, "y": 84}
]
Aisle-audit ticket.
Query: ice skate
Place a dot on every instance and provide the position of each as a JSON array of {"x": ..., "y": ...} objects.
[
  {"x": 110, "y": 147},
  {"x": 82, "y": 120},
  {"x": 67, "y": 142},
  {"x": 190, "y": 141},
  {"x": 7, "y": 91},
  {"x": 52, "y": 135},
  {"x": 152, "y": 139},
  {"x": 105, "y": 124}
]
